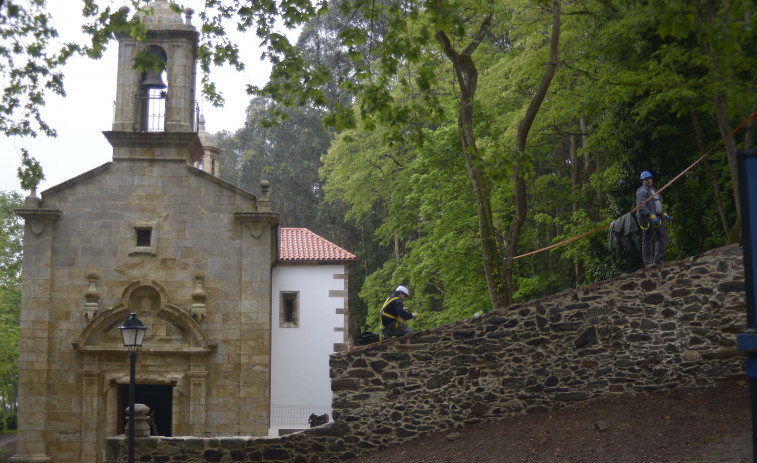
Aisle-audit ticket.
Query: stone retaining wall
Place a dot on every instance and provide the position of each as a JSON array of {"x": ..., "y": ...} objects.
[{"x": 673, "y": 326}]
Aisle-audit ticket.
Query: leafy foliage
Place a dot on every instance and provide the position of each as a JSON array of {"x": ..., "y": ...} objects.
[
  {"x": 29, "y": 69},
  {"x": 630, "y": 94},
  {"x": 11, "y": 240},
  {"x": 11, "y": 248},
  {"x": 424, "y": 104}
]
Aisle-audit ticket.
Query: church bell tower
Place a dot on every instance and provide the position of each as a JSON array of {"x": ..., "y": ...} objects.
[{"x": 155, "y": 115}]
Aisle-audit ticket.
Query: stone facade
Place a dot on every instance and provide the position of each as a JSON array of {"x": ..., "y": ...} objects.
[
  {"x": 673, "y": 326},
  {"x": 145, "y": 233},
  {"x": 84, "y": 273}
]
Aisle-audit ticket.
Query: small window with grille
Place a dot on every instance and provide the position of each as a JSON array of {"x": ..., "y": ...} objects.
[{"x": 145, "y": 238}]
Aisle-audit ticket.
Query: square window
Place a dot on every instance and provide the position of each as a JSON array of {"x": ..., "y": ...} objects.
[
  {"x": 143, "y": 237},
  {"x": 289, "y": 309}
]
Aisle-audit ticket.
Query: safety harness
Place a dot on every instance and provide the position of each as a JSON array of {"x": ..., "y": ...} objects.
[
  {"x": 396, "y": 318},
  {"x": 655, "y": 198}
]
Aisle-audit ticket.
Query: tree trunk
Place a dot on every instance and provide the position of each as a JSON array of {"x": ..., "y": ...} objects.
[
  {"x": 366, "y": 257},
  {"x": 520, "y": 144},
  {"x": 721, "y": 113},
  {"x": 584, "y": 137},
  {"x": 587, "y": 165},
  {"x": 711, "y": 171},
  {"x": 577, "y": 264},
  {"x": 466, "y": 76},
  {"x": 498, "y": 279}
]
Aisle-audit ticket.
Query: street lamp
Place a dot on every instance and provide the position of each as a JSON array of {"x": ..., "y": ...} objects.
[{"x": 132, "y": 333}]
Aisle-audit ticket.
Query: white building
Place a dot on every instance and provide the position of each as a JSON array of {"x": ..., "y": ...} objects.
[{"x": 309, "y": 321}]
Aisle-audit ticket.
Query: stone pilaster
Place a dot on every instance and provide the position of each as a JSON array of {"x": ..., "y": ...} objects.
[
  {"x": 343, "y": 310},
  {"x": 181, "y": 84},
  {"x": 127, "y": 88},
  {"x": 197, "y": 402},
  {"x": 258, "y": 245},
  {"x": 90, "y": 398},
  {"x": 34, "y": 348}
]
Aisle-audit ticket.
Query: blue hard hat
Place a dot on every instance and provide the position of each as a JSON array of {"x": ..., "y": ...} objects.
[{"x": 646, "y": 174}]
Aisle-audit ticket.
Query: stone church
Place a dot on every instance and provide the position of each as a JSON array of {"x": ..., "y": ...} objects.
[{"x": 154, "y": 232}]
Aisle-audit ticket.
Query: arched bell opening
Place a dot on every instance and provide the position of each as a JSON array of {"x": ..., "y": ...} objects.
[{"x": 153, "y": 94}]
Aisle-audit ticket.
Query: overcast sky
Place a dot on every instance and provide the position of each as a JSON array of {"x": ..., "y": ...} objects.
[{"x": 87, "y": 109}]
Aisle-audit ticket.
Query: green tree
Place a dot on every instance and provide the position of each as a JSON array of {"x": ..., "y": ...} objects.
[
  {"x": 29, "y": 69},
  {"x": 711, "y": 53},
  {"x": 11, "y": 239},
  {"x": 399, "y": 91},
  {"x": 633, "y": 97},
  {"x": 287, "y": 155},
  {"x": 11, "y": 249}
]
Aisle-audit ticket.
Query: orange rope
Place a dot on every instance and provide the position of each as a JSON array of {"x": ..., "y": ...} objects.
[{"x": 746, "y": 121}]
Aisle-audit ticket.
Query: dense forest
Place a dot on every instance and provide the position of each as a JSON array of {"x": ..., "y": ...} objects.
[
  {"x": 455, "y": 145},
  {"x": 525, "y": 123}
]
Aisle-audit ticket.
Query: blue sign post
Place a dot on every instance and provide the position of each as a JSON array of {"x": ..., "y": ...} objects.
[{"x": 747, "y": 341}]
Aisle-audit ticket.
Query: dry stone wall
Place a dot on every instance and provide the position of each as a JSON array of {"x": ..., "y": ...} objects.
[{"x": 673, "y": 326}]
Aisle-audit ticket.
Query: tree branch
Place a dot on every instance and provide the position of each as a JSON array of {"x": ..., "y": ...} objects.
[
  {"x": 533, "y": 108},
  {"x": 483, "y": 28}
]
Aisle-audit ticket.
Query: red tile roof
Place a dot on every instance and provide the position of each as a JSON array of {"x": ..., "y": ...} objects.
[{"x": 302, "y": 245}]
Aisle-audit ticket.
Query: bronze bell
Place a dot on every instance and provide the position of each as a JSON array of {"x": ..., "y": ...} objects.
[{"x": 152, "y": 80}]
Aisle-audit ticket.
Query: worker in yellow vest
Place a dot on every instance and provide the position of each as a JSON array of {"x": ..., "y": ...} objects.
[{"x": 394, "y": 317}]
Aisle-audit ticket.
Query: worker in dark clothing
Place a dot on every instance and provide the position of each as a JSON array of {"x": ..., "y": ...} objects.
[
  {"x": 652, "y": 218},
  {"x": 394, "y": 316}
]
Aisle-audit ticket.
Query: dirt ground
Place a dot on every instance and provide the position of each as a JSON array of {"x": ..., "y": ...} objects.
[{"x": 710, "y": 425}]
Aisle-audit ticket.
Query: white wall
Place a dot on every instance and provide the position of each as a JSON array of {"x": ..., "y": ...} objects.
[{"x": 300, "y": 383}]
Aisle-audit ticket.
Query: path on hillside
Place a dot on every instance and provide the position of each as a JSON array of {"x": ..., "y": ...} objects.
[{"x": 705, "y": 426}]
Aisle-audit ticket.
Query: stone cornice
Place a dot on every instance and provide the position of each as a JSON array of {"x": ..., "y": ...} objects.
[
  {"x": 183, "y": 350},
  {"x": 155, "y": 145},
  {"x": 38, "y": 218},
  {"x": 78, "y": 179},
  {"x": 257, "y": 221}
]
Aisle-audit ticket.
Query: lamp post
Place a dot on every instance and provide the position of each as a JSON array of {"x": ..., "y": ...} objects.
[{"x": 132, "y": 333}]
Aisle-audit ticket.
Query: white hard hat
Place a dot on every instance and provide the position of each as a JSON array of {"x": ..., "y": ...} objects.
[{"x": 402, "y": 289}]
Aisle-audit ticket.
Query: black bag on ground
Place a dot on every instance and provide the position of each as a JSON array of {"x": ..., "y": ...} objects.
[{"x": 366, "y": 338}]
